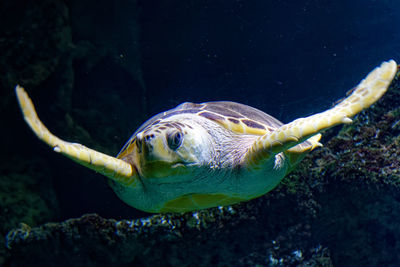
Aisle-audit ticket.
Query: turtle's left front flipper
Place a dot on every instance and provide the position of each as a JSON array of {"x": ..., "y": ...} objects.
[
  {"x": 289, "y": 135},
  {"x": 115, "y": 169}
]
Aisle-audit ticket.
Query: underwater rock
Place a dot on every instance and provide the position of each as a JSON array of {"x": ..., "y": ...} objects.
[
  {"x": 229, "y": 235},
  {"x": 35, "y": 36},
  {"x": 44, "y": 49},
  {"x": 23, "y": 199}
]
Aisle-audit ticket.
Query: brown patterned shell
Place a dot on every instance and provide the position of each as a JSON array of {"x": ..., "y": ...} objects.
[{"x": 239, "y": 118}]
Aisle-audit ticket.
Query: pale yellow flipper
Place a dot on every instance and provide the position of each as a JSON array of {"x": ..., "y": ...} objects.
[
  {"x": 115, "y": 169},
  {"x": 289, "y": 135}
]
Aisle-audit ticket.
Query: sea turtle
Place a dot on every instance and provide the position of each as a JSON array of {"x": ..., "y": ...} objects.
[{"x": 197, "y": 156}]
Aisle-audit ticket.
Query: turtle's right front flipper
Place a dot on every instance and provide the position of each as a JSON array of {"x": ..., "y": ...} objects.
[
  {"x": 115, "y": 169},
  {"x": 364, "y": 95}
]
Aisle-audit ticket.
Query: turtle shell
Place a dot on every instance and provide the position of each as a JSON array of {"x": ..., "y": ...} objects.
[{"x": 239, "y": 118}]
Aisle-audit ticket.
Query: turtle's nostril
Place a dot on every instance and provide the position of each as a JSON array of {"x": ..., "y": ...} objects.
[
  {"x": 143, "y": 141},
  {"x": 139, "y": 143},
  {"x": 147, "y": 138}
]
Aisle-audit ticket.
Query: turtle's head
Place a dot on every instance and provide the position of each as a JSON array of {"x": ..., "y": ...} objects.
[{"x": 168, "y": 148}]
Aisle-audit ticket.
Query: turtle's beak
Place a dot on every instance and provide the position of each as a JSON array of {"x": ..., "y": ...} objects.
[{"x": 151, "y": 148}]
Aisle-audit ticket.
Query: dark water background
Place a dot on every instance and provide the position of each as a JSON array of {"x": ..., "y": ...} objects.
[{"x": 287, "y": 58}]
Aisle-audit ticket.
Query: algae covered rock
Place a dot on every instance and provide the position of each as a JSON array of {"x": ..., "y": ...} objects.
[
  {"x": 229, "y": 235},
  {"x": 24, "y": 201},
  {"x": 43, "y": 49},
  {"x": 35, "y": 37}
]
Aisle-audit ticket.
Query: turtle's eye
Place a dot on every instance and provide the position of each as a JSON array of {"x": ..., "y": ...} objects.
[{"x": 174, "y": 140}]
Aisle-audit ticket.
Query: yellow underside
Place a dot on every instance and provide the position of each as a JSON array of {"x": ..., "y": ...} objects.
[{"x": 199, "y": 201}]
